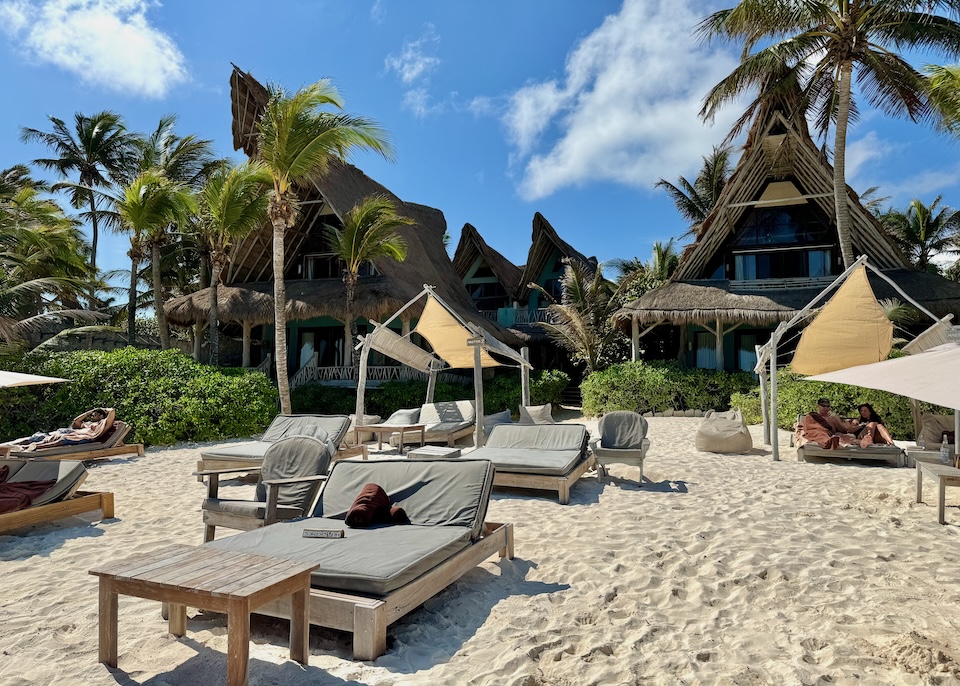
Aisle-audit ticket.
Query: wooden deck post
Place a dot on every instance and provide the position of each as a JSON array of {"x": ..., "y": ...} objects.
[
  {"x": 634, "y": 339},
  {"x": 525, "y": 377}
]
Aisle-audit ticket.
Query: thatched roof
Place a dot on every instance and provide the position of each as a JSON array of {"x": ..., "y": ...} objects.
[
  {"x": 780, "y": 148},
  {"x": 544, "y": 240},
  {"x": 471, "y": 246},
  {"x": 327, "y": 201},
  {"x": 693, "y": 302},
  {"x": 233, "y": 305}
]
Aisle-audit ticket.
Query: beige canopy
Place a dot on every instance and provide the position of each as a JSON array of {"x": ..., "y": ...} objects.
[{"x": 850, "y": 330}]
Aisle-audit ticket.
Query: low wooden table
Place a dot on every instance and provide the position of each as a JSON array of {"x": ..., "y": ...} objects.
[
  {"x": 944, "y": 475},
  {"x": 434, "y": 452},
  {"x": 919, "y": 454},
  {"x": 218, "y": 580},
  {"x": 381, "y": 429}
]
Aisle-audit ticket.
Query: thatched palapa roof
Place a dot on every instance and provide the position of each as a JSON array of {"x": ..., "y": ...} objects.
[
  {"x": 694, "y": 302},
  {"x": 327, "y": 201},
  {"x": 471, "y": 246},
  {"x": 233, "y": 305}
]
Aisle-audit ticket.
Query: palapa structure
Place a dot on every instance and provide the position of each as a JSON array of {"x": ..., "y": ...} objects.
[
  {"x": 768, "y": 248},
  {"x": 316, "y": 295}
]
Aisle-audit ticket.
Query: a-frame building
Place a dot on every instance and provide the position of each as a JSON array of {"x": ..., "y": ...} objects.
[{"x": 768, "y": 248}]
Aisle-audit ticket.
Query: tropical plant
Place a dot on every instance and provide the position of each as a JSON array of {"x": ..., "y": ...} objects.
[
  {"x": 819, "y": 45},
  {"x": 581, "y": 321},
  {"x": 297, "y": 138},
  {"x": 144, "y": 207},
  {"x": 695, "y": 201},
  {"x": 369, "y": 233},
  {"x": 924, "y": 231},
  {"x": 98, "y": 148},
  {"x": 233, "y": 202},
  {"x": 944, "y": 85}
]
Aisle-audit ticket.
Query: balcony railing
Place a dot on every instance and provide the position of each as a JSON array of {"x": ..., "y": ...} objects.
[
  {"x": 311, "y": 373},
  {"x": 508, "y": 316}
]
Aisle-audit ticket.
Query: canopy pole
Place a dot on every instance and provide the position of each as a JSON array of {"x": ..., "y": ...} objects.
[
  {"x": 431, "y": 386},
  {"x": 764, "y": 410},
  {"x": 634, "y": 339},
  {"x": 718, "y": 337},
  {"x": 525, "y": 376},
  {"x": 774, "y": 424},
  {"x": 477, "y": 390},
  {"x": 426, "y": 290},
  {"x": 362, "y": 383}
]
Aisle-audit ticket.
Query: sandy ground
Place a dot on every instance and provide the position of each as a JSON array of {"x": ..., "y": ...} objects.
[{"x": 721, "y": 570}]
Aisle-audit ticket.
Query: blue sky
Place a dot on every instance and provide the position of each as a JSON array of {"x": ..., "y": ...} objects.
[{"x": 497, "y": 109}]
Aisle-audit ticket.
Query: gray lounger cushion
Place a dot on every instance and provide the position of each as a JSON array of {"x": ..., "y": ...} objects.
[
  {"x": 548, "y": 449},
  {"x": 336, "y": 426},
  {"x": 446, "y": 502},
  {"x": 66, "y": 473},
  {"x": 370, "y": 561}
]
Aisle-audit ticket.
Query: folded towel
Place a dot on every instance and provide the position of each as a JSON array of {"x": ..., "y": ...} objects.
[{"x": 372, "y": 506}]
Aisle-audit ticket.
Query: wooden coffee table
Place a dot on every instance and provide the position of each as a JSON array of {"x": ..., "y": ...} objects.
[
  {"x": 381, "y": 429},
  {"x": 219, "y": 580},
  {"x": 944, "y": 475}
]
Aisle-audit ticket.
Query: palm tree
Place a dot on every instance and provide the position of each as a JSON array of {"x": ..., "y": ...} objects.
[
  {"x": 297, "y": 138},
  {"x": 147, "y": 205},
  {"x": 369, "y": 233},
  {"x": 695, "y": 201},
  {"x": 233, "y": 203},
  {"x": 820, "y": 45},
  {"x": 944, "y": 85},
  {"x": 98, "y": 149},
  {"x": 581, "y": 321},
  {"x": 664, "y": 261},
  {"x": 923, "y": 232}
]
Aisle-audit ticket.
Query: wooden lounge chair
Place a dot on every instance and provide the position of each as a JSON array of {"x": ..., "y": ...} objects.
[
  {"x": 443, "y": 422},
  {"x": 372, "y": 577},
  {"x": 549, "y": 457},
  {"x": 878, "y": 451},
  {"x": 334, "y": 426},
  {"x": 60, "y": 500},
  {"x": 109, "y": 445},
  {"x": 293, "y": 469}
]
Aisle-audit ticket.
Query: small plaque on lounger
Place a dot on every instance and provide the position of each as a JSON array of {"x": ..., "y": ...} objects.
[{"x": 323, "y": 533}]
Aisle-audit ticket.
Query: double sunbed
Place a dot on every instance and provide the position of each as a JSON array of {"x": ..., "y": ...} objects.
[
  {"x": 369, "y": 578},
  {"x": 110, "y": 444}
]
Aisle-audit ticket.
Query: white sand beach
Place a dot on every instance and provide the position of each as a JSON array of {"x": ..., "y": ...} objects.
[{"x": 722, "y": 570}]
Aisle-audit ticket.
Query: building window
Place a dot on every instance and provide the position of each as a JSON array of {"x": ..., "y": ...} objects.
[
  {"x": 783, "y": 264},
  {"x": 329, "y": 266},
  {"x": 489, "y": 296}
]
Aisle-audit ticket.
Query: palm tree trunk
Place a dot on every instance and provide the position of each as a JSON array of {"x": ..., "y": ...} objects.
[
  {"x": 94, "y": 232},
  {"x": 839, "y": 166},
  {"x": 214, "y": 332},
  {"x": 280, "y": 316},
  {"x": 158, "y": 297},
  {"x": 132, "y": 303}
]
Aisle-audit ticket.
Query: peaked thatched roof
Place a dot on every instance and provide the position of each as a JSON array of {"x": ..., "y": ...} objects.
[
  {"x": 781, "y": 148},
  {"x": 472, "y": 245},
  {"x": 327, "y": 200},
  {"x": 543, "y": 241},
  {"x": 692, "y": 302}
]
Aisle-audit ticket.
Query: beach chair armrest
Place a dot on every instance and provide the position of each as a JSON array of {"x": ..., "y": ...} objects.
[
  {"x": 231, "y": 470},
  {"x": 294, "y": 480}
]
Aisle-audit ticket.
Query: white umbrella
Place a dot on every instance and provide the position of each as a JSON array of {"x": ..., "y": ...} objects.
[
  {"x": 10, "y": 379},
  {"x": 931, "y": 376}
]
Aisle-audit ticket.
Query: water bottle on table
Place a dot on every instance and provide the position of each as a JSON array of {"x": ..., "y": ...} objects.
[{"x": 945, "y": 451}]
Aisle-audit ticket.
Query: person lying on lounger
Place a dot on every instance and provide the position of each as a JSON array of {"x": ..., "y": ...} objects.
[
  {"x": 827, "y": 430},
  {"x": 86, "y": 428}
]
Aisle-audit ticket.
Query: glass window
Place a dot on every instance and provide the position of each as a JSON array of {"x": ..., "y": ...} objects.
[
  {"x": 783, "y": 264},
  {"x": 783, "y": 226}
]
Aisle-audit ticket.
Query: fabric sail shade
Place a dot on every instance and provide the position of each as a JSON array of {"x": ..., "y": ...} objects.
[
  {"x": 850, "y": 330},
  {"x": 449, "y": 337},
  {"x": 402, "y": 349}
]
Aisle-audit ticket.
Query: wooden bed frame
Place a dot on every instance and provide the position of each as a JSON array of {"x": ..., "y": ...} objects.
[
  {"x": 368, "y": 617},
  {"x": 450, "y": 438},
  {"x": 896, "y": 457},
  {"x": 79, "y": 503},
  {"x": 544, "y": 482}
]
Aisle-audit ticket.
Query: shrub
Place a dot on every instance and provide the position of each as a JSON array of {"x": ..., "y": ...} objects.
[
  {"x": 657, "y": 386},
  {"x": 547, "y": 386},
  {"x": 165, "y": 396},
  {"x": 796, "y": 396}
]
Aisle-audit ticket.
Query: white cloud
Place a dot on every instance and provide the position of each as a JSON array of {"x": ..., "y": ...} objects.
[
  {"x": 870, "y": 148},
  {"x": 379, "y": 11},
  {"x": 414, "y": 64},
  {"x": 108, "y": 43},
  {"x": 417, "y": 100},
  {"x": 626, "y": 109}
]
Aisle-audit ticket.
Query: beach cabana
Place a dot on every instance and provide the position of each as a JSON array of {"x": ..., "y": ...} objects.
[{"x": 456, "y": 343}]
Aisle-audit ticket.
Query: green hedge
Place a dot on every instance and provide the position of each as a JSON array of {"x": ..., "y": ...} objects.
[
  {"x": 796, "y": 396},
  {"x": 165, "y": 396},
  {"x": 658, "y": 386},
  {"x": 500, "y": 393}
]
